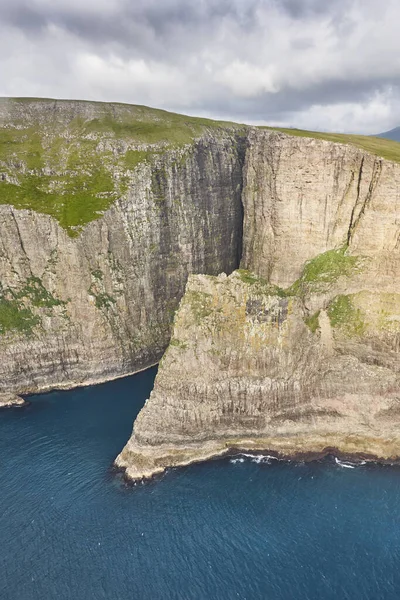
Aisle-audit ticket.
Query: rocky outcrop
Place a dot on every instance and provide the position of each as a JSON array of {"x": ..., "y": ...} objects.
[
  {"x": 298, "y": 353},
  {"x": 12, "y": 401},
  {"x": 81, "y": 304}
]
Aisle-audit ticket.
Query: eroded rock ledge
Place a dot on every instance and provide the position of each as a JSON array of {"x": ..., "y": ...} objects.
[{"x": 12, "y": 401}]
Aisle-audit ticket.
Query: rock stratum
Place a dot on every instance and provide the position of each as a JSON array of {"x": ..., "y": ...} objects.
[{"x": 297, "y": 352}]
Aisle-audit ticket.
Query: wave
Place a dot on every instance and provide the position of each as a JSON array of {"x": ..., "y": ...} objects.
[
  {"x": 255, "y": 458},
  {"x": 348, "y": 465}
]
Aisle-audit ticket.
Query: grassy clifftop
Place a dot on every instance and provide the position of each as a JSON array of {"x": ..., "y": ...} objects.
[
  {"x": 387, "y": 149},
  {"x": 74, "y": 159}
]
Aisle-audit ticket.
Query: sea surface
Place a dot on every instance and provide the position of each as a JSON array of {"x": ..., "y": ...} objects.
[{"x": 248, "y": 528}]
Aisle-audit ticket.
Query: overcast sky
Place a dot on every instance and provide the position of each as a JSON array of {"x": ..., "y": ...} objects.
[{"x": 317, "y": 64}]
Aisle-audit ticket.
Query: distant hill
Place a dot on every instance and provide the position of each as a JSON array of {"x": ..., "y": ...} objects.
[{"x": 393, "y": 134}]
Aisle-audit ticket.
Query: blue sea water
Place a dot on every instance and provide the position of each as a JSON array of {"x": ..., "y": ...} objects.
[{"x": 70, "y": 529}]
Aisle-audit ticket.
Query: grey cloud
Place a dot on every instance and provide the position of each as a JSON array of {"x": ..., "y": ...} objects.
[
  {"x": 260, "y": 60},
  {"x": 22, "y": 16},
  {"x": 300, "y": 9},
  {"x": 275, "y": 107}
]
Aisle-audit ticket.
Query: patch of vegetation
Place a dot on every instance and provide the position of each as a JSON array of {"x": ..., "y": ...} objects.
[
  {"x": 35, "y": 291},
  {"x": 324, "y": 270},
  {"x": 345, "y": 316},
  {"x": 312, "y": 322},
  {"x": 154, "y": 126},
  {"x": 98, "y": 274},
  {"x": 200, "y": 303},
  {"x": 78, "y": 190},
  {"x": 263, "y": 285},
  {"x": 135, "y": 157},
  {"x": 14, "y": 317},
  {"x": 178, "y": 344},
  {"x": 23, "y": 145},
  {"x": 104, "y": 300},
  {"x": 249, "y": 277},
  {"x": 387, "y": 149}
]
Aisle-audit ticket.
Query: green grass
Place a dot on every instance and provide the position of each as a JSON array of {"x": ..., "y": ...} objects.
[
  {"x": 64, "y": 166},
  {"x": 312, "y": 322},
  {"x": 73, "y": 207},
  {"x": 104, "y": 300},
  {"x": 172, "y": 130},
  {"x": 98, "y": 274},
  {"x": 35, "y": 291},
  {"x": 249, "y": 277},
  {"x": 178, "y": 344},
  {"x": 13, "y": 317},
  {"x": 387, "y": 149},
  {"x": 135, "y": 157},
  {"x": 78, "y": 190},
  {"x": 261, "y": 285},
  {"x": 200, "y": 304},
  {"x": 22, "y": 144},
  {"x": 345, "y": 316},
  {"x": 324, "y": 270},
  {"x": 15, "y": 306}
]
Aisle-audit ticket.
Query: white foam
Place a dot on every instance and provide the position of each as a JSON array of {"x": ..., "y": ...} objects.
[
  {"x": 345, "y": 465},
  {"x": 255, "y": 458}
]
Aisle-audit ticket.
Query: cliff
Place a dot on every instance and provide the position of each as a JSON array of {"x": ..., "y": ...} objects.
[
  {"x": 297, "y": 353},
  {"x": 104, "y": 211},
  {"x": 108, "y": 210}
]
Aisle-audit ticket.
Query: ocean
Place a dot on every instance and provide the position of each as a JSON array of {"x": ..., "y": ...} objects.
[{"x": 244, "y": 528}]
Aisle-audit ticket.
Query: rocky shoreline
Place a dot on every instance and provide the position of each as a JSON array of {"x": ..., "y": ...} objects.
[
  {"x": 382, "y": 452},
  {"x": 8, "y": 400},
  {"x": 12, "y": 401}
]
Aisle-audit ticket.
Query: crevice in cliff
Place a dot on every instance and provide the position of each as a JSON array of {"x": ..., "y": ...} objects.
[
  {"x": 355, "y": 220},
  {"x": 242, "y": 144},
  {"x": 351, "y": 226},
  {"x": 21, "y": 240}
]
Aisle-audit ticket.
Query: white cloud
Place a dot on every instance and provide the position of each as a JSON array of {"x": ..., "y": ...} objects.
[
  {"x": 309, "y": 64},
  {"x": 362, "y": 116},
  {"x": 247, "y": 80}
]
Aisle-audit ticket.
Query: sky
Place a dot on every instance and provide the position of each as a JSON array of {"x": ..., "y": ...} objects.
[{"x": 330, "y": 65}]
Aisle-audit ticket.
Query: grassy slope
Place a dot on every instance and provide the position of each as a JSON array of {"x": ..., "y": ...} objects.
[
  {"x": 60, "y": 157},
  {"x": 387, "y": 149},
  {"x": 65, "y": 166}
]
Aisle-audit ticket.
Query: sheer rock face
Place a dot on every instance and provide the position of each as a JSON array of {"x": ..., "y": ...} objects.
[
  {"x": 304, "y": 196},
  {"x": 78, "y": 310},
  {"x": 301, "y": 368}
]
